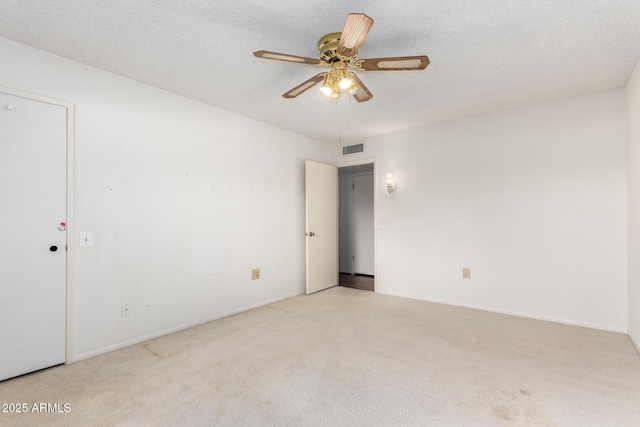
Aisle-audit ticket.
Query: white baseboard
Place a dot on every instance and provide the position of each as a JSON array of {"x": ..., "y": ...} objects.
[
  {"x": 517, "y": 314},
  {"x": 148, "y": 337},
  {"x": 635, "y": 343}
]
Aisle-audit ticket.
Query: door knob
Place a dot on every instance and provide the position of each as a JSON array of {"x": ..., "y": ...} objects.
[
  {"x": 310, "y": 234},
  {"x": 53, "y": 248}
]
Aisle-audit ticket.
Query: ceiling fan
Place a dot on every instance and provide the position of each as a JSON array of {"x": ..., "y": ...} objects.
[{"x": 339, "y": 51}]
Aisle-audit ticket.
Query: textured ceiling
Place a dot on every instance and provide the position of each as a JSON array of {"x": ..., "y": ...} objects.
[{"x": 486, "y": 55}]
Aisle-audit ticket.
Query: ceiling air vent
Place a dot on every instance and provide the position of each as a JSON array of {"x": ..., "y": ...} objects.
[{"x": 350, "y": 149}]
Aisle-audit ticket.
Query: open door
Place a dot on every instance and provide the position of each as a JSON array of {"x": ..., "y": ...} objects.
[{"x": 321, "y": 200}]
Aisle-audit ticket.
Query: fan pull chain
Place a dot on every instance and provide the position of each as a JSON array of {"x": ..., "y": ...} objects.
[
  {"x": 347, "y": 97},
  {"x": 339, "y": 123},
  {"x": 343, "y": 94}
]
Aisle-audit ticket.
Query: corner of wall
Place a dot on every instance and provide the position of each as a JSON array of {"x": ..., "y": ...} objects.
[{"x": 633, "y": 203}]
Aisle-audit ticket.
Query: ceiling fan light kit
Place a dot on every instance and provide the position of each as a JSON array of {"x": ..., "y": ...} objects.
[{"x": 339, "y": 51}]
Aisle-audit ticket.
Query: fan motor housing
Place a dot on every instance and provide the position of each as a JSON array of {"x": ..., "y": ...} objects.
[{"x": 328, "y": 48}]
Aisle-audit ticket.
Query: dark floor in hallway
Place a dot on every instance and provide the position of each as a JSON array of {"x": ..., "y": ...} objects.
[{"x": 355, "y": 281}]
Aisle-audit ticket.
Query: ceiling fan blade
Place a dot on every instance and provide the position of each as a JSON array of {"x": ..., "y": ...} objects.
[
  {"x": 399, "y": 63},
  {"x": 355, "y": 31},
  {"x": 304, "y": 86},
  {"x": 363, "y": 94},
  {"x": 265, "y": 54}
]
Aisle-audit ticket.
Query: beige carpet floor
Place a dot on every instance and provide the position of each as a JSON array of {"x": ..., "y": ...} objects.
[{"x": 345, "y": 357}]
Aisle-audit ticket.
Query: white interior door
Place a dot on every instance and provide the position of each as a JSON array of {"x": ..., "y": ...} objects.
[
  {"x": 363, "y": 227},
  {"x": 321, "y": 195},
  {"x": 33, "y": 138}
]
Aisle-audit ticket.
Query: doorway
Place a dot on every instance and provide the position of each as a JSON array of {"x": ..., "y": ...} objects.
[{"x": 357, "y": 226}]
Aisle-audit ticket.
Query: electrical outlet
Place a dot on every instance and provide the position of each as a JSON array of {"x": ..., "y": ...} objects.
[
  {"x": 125, "y": 310},
  {"x": 466, "y": 273},
  {"x": 255, "y": 274}
]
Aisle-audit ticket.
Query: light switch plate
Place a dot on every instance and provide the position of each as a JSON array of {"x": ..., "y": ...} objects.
[{"x": 86, "y": 239}]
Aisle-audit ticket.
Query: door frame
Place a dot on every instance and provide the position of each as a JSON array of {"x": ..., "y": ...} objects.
[
  {"x": 375, "y": 211},
  {"x": 70, "y": 204}
]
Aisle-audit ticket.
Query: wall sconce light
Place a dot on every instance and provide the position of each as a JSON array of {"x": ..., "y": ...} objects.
[{"x": 391, "y": 185}]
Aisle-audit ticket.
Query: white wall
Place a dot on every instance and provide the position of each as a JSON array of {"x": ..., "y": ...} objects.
[
  {"x": 633, "y": 194},
  {"x": 533, "y": 200},
  {"x": 155, "y": 172}
]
